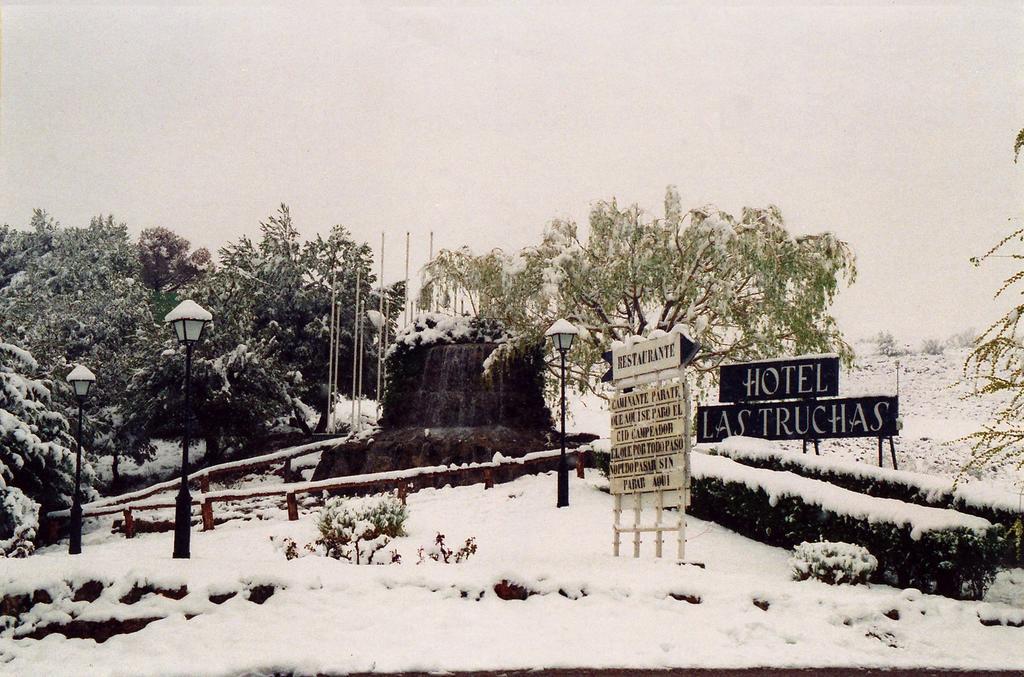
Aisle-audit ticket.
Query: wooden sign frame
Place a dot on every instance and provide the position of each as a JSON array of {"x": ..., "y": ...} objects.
[{"x": 660, "y": 526}]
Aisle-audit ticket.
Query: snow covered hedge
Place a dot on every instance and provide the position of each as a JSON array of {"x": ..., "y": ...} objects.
[
  {"x": 936, "y": 550},
  {"x": 918, "y": 488}
]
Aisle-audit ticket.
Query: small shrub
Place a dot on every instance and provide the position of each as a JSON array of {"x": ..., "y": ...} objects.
[
  {"x": 964, "y": 339},
  {"x": 832, "y": 563},
  {"x": 885, "y": 344},
  {"x": 439, "y": 552},
  {"x": 932, "y": 347},
  {"x": 355, "y": 534},
  {"x": 358, "y": 534}
]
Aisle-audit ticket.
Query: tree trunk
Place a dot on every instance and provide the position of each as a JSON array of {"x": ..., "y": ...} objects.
[
  {"x": 321, "y": 425},
  {"x": 214, "y": 454},
  {"x": 115, "y": 474},
  {"x": 300, "y": 420}
]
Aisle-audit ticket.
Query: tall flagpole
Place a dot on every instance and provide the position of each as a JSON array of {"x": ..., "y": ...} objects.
[
  {"x": 331, "y": 355},
  {"x": 380, "y": 330},
  {"x": 355, "y": 343},
  {"x": 407, "y": 308}
]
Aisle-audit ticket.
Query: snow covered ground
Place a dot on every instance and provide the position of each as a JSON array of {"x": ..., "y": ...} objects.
[{"x": 590, "y": 610}]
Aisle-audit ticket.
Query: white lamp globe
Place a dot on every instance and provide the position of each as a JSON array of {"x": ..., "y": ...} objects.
[
  {"x": 188, "y": 319},
  {"x": 562, "y": 333},
  {"x": 82, "y": 380}
]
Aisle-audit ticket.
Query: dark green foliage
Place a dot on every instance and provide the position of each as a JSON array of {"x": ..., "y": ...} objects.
[
  {"x": 954, "y": 562},
  {"x": 882, "y": 488}
]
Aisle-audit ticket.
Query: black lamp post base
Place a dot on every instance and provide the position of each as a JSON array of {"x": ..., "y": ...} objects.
[
  {"x": 182, "y": 525},
  {"x": 563, "y": 482},
  {"x": 75, "y": 536}
]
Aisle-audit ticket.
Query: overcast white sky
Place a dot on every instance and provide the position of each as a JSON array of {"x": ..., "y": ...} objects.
[{"x": 890, "y": 126}]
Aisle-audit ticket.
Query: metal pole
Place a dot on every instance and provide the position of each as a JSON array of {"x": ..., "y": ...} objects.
[
  {"x": 75, "y": 546},
  {"x": 359, "y": 388},
  {"x": 183, "y": 504},
  {"x": 380, "y": 332},
  {"x": 330, "y": 357},
  {"x": 355, "y": 345},
  {"x": 407, "y": 308},
  {"x": 563, "y": 468},
  {"x": 383, "y": 362}
]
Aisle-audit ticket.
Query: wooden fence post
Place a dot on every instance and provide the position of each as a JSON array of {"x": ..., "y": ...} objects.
[
  {"x": 488, "y": 478},
  {"x": 580, "y": 460},
  {"x": 207, "y": 508},
  {"x": 204, "y": 483},
  {"x": 129, "y": 523},
  {"x": 293, "y": 506},
  {"x": 403, "y": 491}
]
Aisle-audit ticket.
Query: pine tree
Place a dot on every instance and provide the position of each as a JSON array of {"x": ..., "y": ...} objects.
[
  {"x": 78, "y": 298},
  {"x": 36, "y": 461}
]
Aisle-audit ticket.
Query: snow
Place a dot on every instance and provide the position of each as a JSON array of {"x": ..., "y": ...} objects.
[
  {"x": 431, "y": 328},
  {"x": 81, "y": 373},
  {"x": 188, "y": 310},
  {"x": 561, "y": 326},
  {"x": 835, "y": 499},
  {"x": 937, "y": 489},
  {"x": 591, "y": 610}
]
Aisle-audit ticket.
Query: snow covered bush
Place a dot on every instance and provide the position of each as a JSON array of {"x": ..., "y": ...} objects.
[
  {"x": 357, "y": 534},
  {"x": 832, "y": 563},
  {"x": 19, "y": 520},
  {"x": 885, "y": 344},
  {"x": 932, "y": 347},
  {"x": 901, "y": 485}
]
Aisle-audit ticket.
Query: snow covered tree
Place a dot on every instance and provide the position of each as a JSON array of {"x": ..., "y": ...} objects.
[
  {"x": 266, "y": 352},
  {"x": 166, "y": 262},
  {"x": 37, "y": 464},
  {"x": 996, "y": 367},
  {"x": 744, "y": 287},
  {"x": 78, "y": 299}
]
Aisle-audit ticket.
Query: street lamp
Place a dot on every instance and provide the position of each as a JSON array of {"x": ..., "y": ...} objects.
[
  {"x": 562, "y": 333},
  {"x": 188, "y": 319},
  {"x": 82, "y": 380}
]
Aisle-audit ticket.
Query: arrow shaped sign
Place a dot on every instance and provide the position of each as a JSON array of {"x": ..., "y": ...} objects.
[{"x": 671, "y": 351}]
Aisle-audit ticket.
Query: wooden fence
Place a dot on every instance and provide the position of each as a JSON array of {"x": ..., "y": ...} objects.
[{"x": 402, "y": 481}]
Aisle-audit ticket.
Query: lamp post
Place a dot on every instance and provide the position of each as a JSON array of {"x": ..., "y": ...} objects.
[
  {"x": 188, "y": 319},
  {"x": 562, "y": 333},
  {"x": 82, "y": 380}
]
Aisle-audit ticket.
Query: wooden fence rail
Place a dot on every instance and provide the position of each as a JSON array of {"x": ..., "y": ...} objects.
[{"x": 402, "y": 481}]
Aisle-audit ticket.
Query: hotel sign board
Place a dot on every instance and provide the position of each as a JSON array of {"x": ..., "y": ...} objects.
[
  {"x": 801, "y": 419},
  {"x": 796, "y": 378}
]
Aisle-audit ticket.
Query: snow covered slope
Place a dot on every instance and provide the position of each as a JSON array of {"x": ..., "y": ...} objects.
[{"x": 588, "y": 608}]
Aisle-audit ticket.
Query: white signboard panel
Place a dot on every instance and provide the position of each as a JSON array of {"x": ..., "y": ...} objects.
[
  {"x": 648, "y": 440},
  {"x": 647, "y": 356}
]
